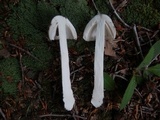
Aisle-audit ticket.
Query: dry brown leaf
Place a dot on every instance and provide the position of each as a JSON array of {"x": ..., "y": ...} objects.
[
  {"x": 136, "y": 112},
  {"x": 119, "y": 26},
  {"x": 109, "y": 45},
  {"x": 149, "y": 98}
]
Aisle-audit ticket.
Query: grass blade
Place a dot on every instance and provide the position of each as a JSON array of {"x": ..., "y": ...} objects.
[
  {"x": 153, "y": 52},
  {"x": 129, "y": 92},
  {"x": 109, "y": 83},
  {"x": 155, "y": 69}
]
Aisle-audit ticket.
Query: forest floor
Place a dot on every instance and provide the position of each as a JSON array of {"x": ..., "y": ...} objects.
[{"x": 30, "y": 68}]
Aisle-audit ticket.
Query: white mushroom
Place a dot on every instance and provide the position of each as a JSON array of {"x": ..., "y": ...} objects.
[
  {"x": 65, "y": 31},
  {"x": 99, "y": 28}
]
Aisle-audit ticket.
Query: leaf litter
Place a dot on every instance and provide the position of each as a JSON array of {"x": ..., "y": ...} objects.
[{"x": 39, "y": 96}]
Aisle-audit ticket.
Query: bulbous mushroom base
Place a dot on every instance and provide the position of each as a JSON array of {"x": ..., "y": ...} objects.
[
  {"x": 97, "y": 102},
  {"x": 69, "y": 102}
]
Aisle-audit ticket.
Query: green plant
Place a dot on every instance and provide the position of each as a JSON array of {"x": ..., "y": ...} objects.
[{"x": 142, "y": 68}]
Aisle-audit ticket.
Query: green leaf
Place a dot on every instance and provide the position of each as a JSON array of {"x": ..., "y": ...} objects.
[
  {"x": 153, "y": 52},
  {"x": 109, "y": 83},
  {"x": 129, "y": 92},
  {"x": 155, "y": 69}
]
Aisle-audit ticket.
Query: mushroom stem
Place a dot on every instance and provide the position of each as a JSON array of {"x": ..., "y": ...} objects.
[
  {"x": 98, "y": 91},
  {"x": 99, "y": 28},
  {"x": 66, "y": 83}
]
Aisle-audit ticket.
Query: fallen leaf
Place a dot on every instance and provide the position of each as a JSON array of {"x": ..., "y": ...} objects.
[
  {"x": 149, "y": 98},
  {"x": 118, "y": 26},
  {"x": 109, "y": 46}
]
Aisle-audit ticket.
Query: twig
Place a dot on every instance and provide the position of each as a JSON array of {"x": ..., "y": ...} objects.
[
  {"x": 22, "y": 69},
  {"x": 155, "y": 33},
  {"x": 120, "y": 19},
  {"x": 114, "y": 75},
  {"x": 138, "y": 92},
  {"x": 3, "y": 115},
  {"x": 75, "y": 114},
  {"x": 149, "y": 42},
  {"x": 143, "y": 28},
  {"x": 73, "y": 78},
  {"x": 80, "y": 117},
  {"x": 122, "y": 4},
  {"x": 152, "y": 61},
  {"x": 67, "y": 115},
  {"x": 54, "y": 115},
  {"x": 149, "y": 39},
  {"x": 77, "y": 70},
  {"x": 137, "y": 40},
  {"x": 121, "y": 77},
  {"x": 27, "y": 52},
  {"x": 95, "y": 6},
  {"x": 158, "y": 90},
  {"x": 141, "y": 112},
  {"x": 147, "y": 109}
]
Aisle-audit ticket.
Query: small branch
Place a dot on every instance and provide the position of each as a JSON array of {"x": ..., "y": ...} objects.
[
  {"x": 152, "y": 61},
  {"x": 137, "y": 40},
  {"x": 95, "y": 6},
  {"x": 120, "y": 19},
  {"x": 121, "y": 77},
  {"x": 3, "y": 115},
  {"x": 149, "y": 42},
  {"x": 80, "y": 117},
  {"x": 27, "y": 52},
  {"x": 149, "y": 39},
  {"x": 54, "y": 115},
  {"x": 22, "y": 69},
  {"x": 77, "y": 70},
  {"x": 144, "y": 28},
  {"x": 114, "y": 75},
  {"x": 138, "y": 93},
  {"x": 67, "y": 115},
  {"x": 155, "y": 33}
]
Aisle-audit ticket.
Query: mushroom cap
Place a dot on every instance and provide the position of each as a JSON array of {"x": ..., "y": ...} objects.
[
  {"x": 90, "y": 30},
  {"x": 69, "y": 28}
]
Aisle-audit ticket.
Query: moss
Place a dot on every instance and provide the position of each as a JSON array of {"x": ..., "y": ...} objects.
[
  {"x": 10, "y": 71},
  {"x": 142, "y": 13},
  {"x": 31, "y": 19},
  {"x": 102, "y": 6},
  {"x": 77, "y": 12},
  {"x": 41, "y": 51}
]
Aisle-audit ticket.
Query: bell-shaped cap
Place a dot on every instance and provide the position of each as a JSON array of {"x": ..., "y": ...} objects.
[
  {"x": 91, "y": 28},
  {"x": 55, "y": 25}
]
